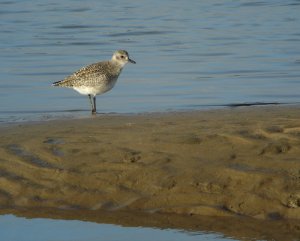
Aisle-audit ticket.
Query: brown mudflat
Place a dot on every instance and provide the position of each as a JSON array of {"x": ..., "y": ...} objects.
[{"x": 242, "y": 162}]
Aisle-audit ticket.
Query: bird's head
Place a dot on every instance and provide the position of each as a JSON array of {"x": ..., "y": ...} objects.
[{"x": 122, "y": 57}]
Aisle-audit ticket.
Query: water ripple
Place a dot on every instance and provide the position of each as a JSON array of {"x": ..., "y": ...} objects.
[{"x": 196, "y": 54}]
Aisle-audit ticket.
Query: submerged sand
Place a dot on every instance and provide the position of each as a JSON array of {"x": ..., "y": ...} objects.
[{"x": 225, "y": 163}]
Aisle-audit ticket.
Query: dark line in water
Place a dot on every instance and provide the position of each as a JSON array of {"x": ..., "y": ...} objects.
[
  {"x": 75, "y": 26},
  {"x": 254, "y": 4},
  {"x": 194, "y": 106},
  {"x": 40, "y": 111},
  {"x": 259, "y": 104},
  {"x": 84, "y": 43},
  {"x": 246, "y": 104},
  {"x": 253, "y": 104},
  {"x": 139, "y": 33}
]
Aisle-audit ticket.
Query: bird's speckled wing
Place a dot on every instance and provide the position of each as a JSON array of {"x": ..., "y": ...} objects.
[{"x": 91, "y": 75}]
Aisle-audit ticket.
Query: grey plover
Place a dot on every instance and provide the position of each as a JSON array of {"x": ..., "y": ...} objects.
[{"x": 97, "y": 78}]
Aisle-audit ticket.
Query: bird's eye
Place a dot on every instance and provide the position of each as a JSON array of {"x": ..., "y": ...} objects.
[{"x": 122, "y": 56}]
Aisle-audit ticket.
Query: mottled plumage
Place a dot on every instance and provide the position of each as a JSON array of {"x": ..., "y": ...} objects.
[{"x": 97, "y": 78}]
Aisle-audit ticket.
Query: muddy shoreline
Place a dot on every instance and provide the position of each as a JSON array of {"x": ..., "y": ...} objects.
[{"x": 240, "y": 162}]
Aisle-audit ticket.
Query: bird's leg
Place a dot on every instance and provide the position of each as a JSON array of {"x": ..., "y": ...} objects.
[
  {"x": 94, "y": 104},
  {"x": 91, "y": 102}
]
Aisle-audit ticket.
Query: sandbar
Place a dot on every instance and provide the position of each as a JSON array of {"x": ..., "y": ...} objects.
[{"x": 235, "y": 162}]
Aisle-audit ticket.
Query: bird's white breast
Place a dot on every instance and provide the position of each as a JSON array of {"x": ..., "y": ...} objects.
[{"x": 96, "y": 90}]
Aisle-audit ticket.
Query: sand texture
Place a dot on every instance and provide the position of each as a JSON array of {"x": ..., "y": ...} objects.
[{"x": 233, "y": 162}]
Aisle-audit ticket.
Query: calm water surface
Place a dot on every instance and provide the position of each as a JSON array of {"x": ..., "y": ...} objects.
[
  {"x": 20, "y": 229},
  {"x": 190, "y": 54}
]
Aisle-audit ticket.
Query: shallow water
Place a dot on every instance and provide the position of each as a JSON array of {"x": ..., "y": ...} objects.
[
  {"x": 190, "y": 55},
  {"x": 21, "y": 229}
]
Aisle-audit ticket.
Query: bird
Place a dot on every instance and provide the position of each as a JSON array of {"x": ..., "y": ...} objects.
[{"x": 97, "y": 78}]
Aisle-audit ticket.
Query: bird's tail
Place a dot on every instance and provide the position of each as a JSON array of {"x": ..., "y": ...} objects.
[{"x": 57, "y": 83}]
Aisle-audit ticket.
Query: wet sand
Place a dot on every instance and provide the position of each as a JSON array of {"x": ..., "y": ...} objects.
[{"x": 240, "y": 162}]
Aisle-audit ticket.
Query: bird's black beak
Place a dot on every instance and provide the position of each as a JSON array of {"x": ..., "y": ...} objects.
[{"x": 131, "y": 61}]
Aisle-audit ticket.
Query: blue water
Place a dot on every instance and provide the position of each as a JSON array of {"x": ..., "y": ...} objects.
[
  {"x": 20, "y": 229},
  {"x": 190, "y": 54}
]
